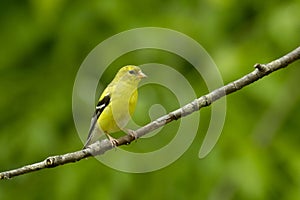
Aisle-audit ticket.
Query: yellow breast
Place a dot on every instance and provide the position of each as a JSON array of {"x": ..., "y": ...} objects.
[{"x": 117, "y": 114}]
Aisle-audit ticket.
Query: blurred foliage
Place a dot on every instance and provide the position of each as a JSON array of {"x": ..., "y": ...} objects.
[{"x": 43, "y": 44}]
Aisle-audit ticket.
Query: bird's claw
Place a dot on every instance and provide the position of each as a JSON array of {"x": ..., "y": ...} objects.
[
  {"x": 131, "y": 133},
  {"x": 114, "y": 142}
]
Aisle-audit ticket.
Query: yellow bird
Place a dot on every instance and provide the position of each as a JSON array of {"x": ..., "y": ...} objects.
[{"x": 116, "y": 104}]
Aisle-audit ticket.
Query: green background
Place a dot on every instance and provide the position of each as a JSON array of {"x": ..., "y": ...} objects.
[{"x": 44, "y": 42}]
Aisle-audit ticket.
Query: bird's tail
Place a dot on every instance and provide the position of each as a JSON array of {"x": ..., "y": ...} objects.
[
  {"x": 88, "y": 141},
  {"x": 93, "y": 137}
]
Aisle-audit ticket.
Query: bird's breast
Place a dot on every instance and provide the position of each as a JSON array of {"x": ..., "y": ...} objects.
[{"x": 118, "y": 113}]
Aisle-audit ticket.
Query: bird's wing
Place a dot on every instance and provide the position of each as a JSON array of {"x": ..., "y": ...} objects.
[{"x": 102, "y": 104}]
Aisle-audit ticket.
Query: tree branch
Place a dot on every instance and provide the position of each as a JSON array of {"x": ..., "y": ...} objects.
[{"x": 102, "y": 146}]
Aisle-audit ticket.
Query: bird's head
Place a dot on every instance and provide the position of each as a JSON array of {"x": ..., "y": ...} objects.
[{"x": 130, "y": 72}]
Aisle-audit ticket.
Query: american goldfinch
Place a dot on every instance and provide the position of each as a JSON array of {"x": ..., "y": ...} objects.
[{"x": 116, "y": 104}]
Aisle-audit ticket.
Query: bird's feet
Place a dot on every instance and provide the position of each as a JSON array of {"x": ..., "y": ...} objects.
[
  {"x": 131, "y": 133},
  {"x": 114, "y": 142}
]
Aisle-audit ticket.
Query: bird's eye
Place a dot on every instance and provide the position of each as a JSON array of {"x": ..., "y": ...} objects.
[{"x": 131, "y": 72}]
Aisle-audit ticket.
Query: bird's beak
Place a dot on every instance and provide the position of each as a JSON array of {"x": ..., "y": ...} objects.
[{"x": 141, "y": 75}]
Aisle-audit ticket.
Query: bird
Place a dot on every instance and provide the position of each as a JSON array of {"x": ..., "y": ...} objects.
[{"x": 116, "y": 105}]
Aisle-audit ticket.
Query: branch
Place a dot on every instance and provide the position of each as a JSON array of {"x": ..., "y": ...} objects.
[{"x": 100, "y": 147}]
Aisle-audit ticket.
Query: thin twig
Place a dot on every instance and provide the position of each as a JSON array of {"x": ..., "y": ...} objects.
[{"x": 102, "y": 146}]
